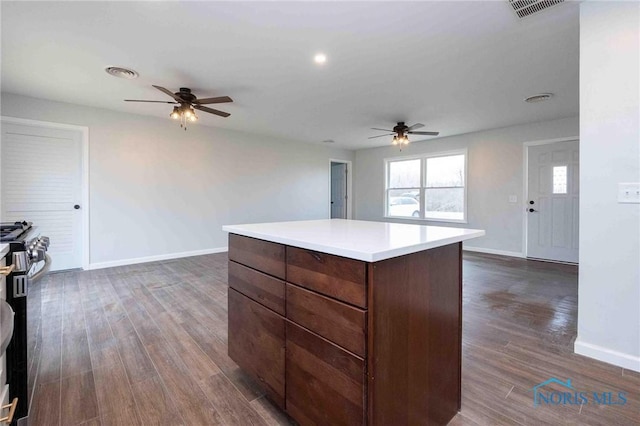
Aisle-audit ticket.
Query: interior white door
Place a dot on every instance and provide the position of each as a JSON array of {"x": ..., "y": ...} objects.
[
  {"x": 552, "y": 204},
  {"x": 42, "y": 183},
  {"x": 338, "y": 190}
]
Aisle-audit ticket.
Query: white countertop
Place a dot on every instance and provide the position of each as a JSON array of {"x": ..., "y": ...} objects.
[
  {"x": 4, "y": 249},
  {"x": 356, "y": 239}
]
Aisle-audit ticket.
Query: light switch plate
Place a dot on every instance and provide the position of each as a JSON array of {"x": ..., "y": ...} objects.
[{"x": 629, "y": 192}]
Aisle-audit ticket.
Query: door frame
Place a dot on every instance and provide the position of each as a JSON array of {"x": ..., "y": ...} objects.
[
  {"x": 525, "y": 184},
  {"x": 84, "y": 173},
  {"x": 349, "y": 186}
]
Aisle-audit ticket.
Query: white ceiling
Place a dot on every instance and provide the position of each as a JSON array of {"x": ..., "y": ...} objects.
[{"x": 457, "y": 67}]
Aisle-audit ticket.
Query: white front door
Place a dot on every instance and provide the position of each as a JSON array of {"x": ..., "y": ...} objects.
[
  {"x": 552, "y": 203},
  {"x": 338, "y": 190},
  {"x": 42, "y": 183}
]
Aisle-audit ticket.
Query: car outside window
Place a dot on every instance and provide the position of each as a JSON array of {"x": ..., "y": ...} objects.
[{"x": 429, "y": 187}]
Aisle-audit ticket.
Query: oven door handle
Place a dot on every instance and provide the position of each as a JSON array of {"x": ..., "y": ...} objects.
[
  {"x": 45, "y": 268},
  {"x": 6, "y": 270}
]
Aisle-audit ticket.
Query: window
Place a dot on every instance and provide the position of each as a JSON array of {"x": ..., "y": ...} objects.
[
  {"x": 430, "y": 187},
  {"x": 560, "y": 180}
]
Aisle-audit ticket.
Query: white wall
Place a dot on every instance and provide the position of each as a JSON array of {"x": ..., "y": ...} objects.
[
  {"x": 156, "y": 190},
  {"x": 495, "y": 171},
  {"x": 609, "y": 280}
]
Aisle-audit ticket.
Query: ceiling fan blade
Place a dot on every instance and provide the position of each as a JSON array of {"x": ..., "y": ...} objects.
[
  {"x": 373, "y": 137},
  {"x": 211, "y": 110},
  {"x": 384, "y": 130},
  {"x": 415, "y": 126},
  {"x": 425, "y": 133},
  {"x": 168, "y": 92},
  {"x": 218, "y": 100},
  {"x": 159, "y": 102}
]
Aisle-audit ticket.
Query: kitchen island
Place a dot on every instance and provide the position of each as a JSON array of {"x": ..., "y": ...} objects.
[{"x": 348, "y": 322}]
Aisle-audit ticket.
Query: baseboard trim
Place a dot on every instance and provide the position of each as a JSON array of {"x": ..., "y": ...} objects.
[
  {"x": 609, "y": 356},
  {"x": 493, "y": 251},
  {"x": 133, "y": 261}
]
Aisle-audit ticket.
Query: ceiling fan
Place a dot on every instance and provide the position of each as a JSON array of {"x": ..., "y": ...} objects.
[
  {"x": 400, "y": 132},
  {"x": 186, "y": 102}
]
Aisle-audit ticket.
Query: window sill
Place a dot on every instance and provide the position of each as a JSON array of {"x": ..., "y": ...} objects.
[{"x": 419, "y": 219}]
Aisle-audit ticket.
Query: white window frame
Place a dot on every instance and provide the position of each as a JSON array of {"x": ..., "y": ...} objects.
[{"x": 423, "y": 165}]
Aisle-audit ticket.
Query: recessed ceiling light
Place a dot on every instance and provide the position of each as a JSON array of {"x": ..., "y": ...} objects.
[
  {"x": 122, "y": 72},
  {"x": 540, "y": 97},
  {"x": 320, "y": 58}
]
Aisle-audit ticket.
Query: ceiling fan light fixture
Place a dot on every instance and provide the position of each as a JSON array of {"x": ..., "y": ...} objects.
[
  {"x": 186, "y": 103},
  {"x": 400, "y": 132}
]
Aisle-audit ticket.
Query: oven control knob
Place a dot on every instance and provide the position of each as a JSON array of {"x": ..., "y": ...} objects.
[
  {"x": 43, "y": 243},
  {"x": 33, "y": 243},
  {"x": 37, "y": 255}
]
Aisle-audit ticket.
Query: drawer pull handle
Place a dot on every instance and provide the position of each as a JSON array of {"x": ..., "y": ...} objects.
[
  {"x": 12, "y": 409},
  {"x": 316, "y": 256},
  {"x": 6, "y": 270}
]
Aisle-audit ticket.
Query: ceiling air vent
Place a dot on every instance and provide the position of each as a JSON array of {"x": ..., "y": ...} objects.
[
  {"x": 541, "y": 97},
  {"x": 127, "y": 73},
  {"x": 524, "y": 8}
]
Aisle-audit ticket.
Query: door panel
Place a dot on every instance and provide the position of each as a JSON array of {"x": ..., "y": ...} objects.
[
  {"x": 325, "y": 384},
  {"x": 338, "y": 190},
  {"x": 41, "y": 183},
  {"x": 552, "y": 228},
  {"x": 257, "y": 343}
]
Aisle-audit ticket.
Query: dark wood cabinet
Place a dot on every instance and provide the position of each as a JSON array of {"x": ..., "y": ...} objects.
[
  {"x": 257, "y": 343},
  {"x": 261, "y": 255},
  {"x": 325, "y": 384},
  {"x": 339, "y": 341},
  {"x": 338, "y": 277},
  {"x": 338, "y": 322},
  {"x": 264, "y": 289},
  {"x": 415, "y": 338}
]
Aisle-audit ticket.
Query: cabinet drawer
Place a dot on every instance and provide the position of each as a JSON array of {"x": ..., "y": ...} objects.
[
  {"x": 262, "y": 255},
  {"x": 336, "y": 321},
  {"x": 334, "y": 276},
  {"x": 325, "y": 384},
  {"x": 262, "y": 288},
  {"x": 256, "y": 343}
]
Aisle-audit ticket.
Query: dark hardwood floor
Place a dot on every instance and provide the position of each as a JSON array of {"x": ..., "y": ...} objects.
[{"x": 146, "y": 344}]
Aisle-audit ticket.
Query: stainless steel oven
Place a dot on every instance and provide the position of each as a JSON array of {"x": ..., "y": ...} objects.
[
  {"x": 7, "y": 410},
  {"x": 26, "y": 262}
]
